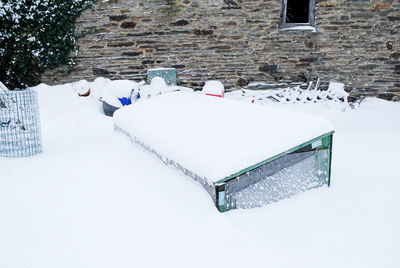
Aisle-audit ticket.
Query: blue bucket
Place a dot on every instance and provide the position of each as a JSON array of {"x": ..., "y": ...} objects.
[{"x": 125, "y": 101}]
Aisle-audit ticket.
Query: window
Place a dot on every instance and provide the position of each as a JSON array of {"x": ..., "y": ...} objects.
[{"x": 298, "y": 13}]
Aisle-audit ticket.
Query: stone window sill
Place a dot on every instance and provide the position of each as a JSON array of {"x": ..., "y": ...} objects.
[{"x": 300, "y": 28}]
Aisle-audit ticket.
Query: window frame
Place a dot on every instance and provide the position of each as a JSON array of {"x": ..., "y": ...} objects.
[{"x": 311, "y": 16}]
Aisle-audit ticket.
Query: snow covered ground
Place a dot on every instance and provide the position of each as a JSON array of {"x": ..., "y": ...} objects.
[{"x": 93, "y": 199}]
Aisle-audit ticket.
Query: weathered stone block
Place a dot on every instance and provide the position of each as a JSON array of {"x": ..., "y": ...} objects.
[
  {"x": 137, "y": 67},
  {"x": 132, "y": 53},
  {"x": 382, "y": 7},
  {"x": 128, "y": 24},
  {"x": 367, "y": 67},
  {"x": 180, "y": 23},
  {"x": 387, "y": 96},
  {"x": 395, "y": 55},
  {"x": 178, "y": 66},
  {"x": 145, "y": 62},
  {"x": 117, "y": 17},
  {"x": 121, "y": 44},
  {"x": 397, "y": 69},
  {"x": 268, "y": 68},
  {"x": 203, "y": 32},
  {"x": 231, "y": 4},
  {"x": 101, "y": 72},
  {"x": 242, "y": 82}
]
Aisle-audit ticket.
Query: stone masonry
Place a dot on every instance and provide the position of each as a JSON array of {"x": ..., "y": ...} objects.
[{"x": 356, "y": 42}]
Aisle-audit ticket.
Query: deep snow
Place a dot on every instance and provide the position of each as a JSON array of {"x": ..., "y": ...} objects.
[
  {"x": 93, "y": 199},
  {"x": 216, "y": 137}
]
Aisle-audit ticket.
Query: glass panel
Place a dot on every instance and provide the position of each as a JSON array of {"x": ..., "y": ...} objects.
[
  {"x": 297, "y": 11},
  {"x": 280, "y": 179}
]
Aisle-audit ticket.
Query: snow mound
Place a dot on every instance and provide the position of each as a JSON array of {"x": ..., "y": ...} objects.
[
  {"x": 82, "y": 87},
  {"x": 201, "y": 133},
  {"x": 118, "y": 89},
  {"x": 214, "y": 87},
  {"x": 110, "y": 91},
  {"x": 158, "y": 86},
  {"x": 334, "y": 96},
  {"x": 97, "y": 86},
  {"x": 3, "y": 87}
]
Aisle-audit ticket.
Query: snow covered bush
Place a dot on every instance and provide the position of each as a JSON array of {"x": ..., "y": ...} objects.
[{"x": 36, "y": 35}]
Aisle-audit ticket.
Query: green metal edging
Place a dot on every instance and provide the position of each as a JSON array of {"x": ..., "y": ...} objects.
[
  {"x": 239, "y": 173},
  {"x": 220, "y": 201},
  {"x": 330, "y": 160}
]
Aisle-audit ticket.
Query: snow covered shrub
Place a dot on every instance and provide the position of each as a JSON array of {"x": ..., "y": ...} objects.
[{"x": 36, "y": 35}]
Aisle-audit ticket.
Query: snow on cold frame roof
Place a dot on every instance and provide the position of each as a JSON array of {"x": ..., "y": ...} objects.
[{"x": 216, "y": 137}]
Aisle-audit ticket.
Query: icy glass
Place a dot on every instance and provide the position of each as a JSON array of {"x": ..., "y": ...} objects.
[
  {"x": 279, "y": 179},
  {"x": 20, "y": 133}
]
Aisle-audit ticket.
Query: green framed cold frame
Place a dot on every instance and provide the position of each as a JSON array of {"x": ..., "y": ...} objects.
[
  {"x": 301, "y": 168},
  {"x": 168, "y": 74}
]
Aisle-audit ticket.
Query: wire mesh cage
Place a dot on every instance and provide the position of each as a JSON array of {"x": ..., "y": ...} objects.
[{"x": 20, "y": 133}]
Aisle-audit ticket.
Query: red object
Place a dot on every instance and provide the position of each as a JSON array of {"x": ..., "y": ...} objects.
[{"x": 220, "y": 96}]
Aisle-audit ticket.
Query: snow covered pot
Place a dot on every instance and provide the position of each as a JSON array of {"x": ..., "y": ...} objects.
[
  {"x": 20, "y": 133},
  {"x": 214, "y": 88}
]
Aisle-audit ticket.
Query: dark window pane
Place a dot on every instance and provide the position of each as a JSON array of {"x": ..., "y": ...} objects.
[{"x": 297, "y": 11}]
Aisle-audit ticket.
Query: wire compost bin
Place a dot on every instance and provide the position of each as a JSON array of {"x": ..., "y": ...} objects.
[
  {"x": 20, "y": 133},
  {"x": 245, "y": 155}
]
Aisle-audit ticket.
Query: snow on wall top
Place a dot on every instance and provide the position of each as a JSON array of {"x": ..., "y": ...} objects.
[
  {"x": 215, "y": 137},
  {"x": 160, "y": 69}
]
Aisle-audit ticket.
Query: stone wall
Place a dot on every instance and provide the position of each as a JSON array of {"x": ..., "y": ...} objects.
[{"x": 237, "y": 41}]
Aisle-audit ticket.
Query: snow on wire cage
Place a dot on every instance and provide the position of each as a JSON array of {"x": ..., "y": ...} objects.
[{"x": 20, "y": 134}]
